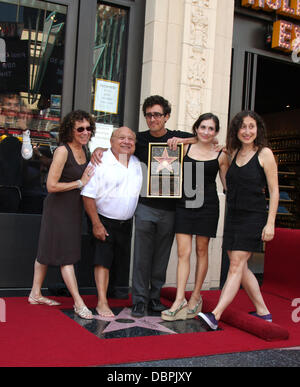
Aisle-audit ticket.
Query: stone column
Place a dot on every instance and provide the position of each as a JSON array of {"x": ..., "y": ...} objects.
[{"x": 187, "y": 59}]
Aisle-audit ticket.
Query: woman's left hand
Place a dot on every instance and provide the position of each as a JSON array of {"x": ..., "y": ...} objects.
[{"x": 268, "y": 233}]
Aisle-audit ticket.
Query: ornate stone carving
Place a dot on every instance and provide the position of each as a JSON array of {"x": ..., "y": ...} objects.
[{"x": 197, "y": 62}]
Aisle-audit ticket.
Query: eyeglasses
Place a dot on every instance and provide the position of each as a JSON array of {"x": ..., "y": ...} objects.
[
  {"x": 82, "y": 129},
  {"x": 156, "y": 115}
]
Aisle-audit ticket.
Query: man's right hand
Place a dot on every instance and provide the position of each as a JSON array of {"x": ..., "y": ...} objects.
[
  {"x": 100, "y": 232},
  {"x": 97, "y": 156}
]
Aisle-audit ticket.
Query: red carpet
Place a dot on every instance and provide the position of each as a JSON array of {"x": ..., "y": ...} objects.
[
  {"x": 36, "y": 335},
  {"x": 282, "y": 264}
]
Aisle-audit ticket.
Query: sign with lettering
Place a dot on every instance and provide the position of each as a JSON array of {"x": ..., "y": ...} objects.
[
  {"x": 284, "y": 32},
  {"x": 102, "y": 136},
  {"x": 14, "y": 71},
  {"x": 106, "y": 96}
]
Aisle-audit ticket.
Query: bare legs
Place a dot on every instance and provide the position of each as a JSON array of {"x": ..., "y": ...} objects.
[
  {"x": 101, "y": 279},
  {"x": 69, "y": 278},
  {"x": 240, "y": 274},
  {"x": 201, "y": 269},
  {"x": 40, "y": 272},
  {"x": 184, "y": 248}
]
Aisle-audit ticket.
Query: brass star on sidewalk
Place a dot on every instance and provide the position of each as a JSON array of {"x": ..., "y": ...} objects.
[
  {"x": 165, "y": 161},
  {"x": 124, "y": 320}
]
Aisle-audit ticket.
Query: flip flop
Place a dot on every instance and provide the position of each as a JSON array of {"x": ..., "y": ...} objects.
[{"x": 108, "y": 314}]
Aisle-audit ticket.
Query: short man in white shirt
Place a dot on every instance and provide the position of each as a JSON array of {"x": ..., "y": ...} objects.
[{"x": 110, "y": 199}]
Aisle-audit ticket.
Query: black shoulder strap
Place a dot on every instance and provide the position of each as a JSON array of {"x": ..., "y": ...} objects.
[{"x": 188, "y": 149}]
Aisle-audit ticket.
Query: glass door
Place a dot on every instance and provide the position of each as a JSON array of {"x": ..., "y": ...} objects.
[
  {"x": 33, "y": 36},
  {"x": 108, "y": 71},
  {"x": 109, "y": 59}
]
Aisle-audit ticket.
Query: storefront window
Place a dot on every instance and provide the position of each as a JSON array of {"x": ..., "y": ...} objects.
[
  {"x": 32, "y": 35},
  {"x": 109, "y": 64}
]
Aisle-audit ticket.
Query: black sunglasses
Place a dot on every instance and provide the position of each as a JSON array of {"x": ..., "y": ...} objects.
[
  {"x": 156, "y": 115},
  {"x": 82, "y": 129}
]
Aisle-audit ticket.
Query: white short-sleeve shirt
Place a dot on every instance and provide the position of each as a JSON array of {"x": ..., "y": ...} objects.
[{"x": 114, "y": 187}]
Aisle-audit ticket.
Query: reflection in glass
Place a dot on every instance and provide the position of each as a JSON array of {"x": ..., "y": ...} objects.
[
  {"x": 32, "y": 36},
  {"x": 109, "y": 63}
]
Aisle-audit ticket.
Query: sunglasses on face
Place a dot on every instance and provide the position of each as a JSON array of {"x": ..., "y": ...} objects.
[{"x": 82, "y": 129}]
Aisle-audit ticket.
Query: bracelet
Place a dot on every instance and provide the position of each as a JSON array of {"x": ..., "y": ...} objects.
[{"x": 80, "y": 184}]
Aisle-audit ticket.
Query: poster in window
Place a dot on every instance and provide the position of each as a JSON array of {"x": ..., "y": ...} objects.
[
  {"x": 106, "y": 96},
  {"x": 14, "y": 71}
]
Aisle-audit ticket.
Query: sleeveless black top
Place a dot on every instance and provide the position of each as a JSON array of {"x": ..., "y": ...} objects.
[
  {"x": 192, "y": 179},
  {"x": 246, "y": 186}
]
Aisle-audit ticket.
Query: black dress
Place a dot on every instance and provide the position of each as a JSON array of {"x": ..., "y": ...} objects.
[
  {"x": 197, "y": 220},
  {"x": 246, "y": 205},
  {"x": 60, "y": 234}
]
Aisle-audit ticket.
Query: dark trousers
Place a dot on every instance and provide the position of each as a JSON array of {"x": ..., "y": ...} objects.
[
  {"x": 154, "y": 236},
  {"x": 114, "y": 253}
]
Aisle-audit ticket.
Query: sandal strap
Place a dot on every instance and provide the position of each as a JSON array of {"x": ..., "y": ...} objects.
[
  {"x": 83, "y": 312},
  {"x": 168, "y": 312},
  {"x": 195, "y": 307}
]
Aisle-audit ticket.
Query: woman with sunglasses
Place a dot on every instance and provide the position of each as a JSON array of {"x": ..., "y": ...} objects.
[{"x": 60, "y": 234}]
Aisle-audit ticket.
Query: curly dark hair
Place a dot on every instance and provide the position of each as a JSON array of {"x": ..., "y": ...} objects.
[
  {"x": 67, "y": 125},
  {"x": 233, "y": 143},
  {"x": 204, "y": 117},
  {"x": 157, "y": 100}
]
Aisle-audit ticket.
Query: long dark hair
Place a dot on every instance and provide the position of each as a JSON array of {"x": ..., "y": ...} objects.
[
  {"x": 67, "y": 125},
  {"x": 204, "y": 117},
  {"x": 233, "y": 143}
]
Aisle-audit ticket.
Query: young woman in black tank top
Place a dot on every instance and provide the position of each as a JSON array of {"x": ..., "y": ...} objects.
[
  {"x": 197, "y": 215},
  {"x": 248, "y": 222}
]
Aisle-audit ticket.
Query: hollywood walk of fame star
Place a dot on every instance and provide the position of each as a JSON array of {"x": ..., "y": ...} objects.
[
  {"x": 149, "y": 322},
  {"x": 165, "y": 161}
]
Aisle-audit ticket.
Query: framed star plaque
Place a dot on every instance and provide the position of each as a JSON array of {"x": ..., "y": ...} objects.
[{"x": 164, "y": 171}]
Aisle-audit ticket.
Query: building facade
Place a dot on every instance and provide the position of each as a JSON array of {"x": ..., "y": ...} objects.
[
  {"x": 106, "y": 57},
  {"x": 187, "y": 59}
]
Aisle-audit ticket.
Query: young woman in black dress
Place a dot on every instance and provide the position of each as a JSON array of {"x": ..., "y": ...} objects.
[
  {"x": 197, "y": 215},
  {"x": 60, "y": 234},
  {"x": 248, "y": 222}
]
